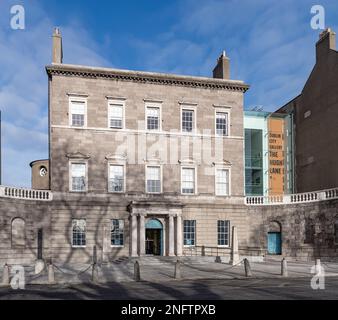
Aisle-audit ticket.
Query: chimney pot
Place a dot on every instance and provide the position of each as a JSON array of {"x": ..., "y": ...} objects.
[{"x": 326, "y": 42}]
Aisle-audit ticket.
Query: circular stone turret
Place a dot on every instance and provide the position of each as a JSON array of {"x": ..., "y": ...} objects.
[{"x": 40, "y": 175}]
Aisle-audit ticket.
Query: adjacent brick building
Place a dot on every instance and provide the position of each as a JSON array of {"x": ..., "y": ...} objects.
[{"x": 315, "y": 112}]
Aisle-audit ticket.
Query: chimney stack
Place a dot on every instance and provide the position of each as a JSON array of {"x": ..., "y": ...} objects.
[
  {"x": 222, "y": 69},
  {"x": 326, "y": 42},
  {"x": 57, "y": 46}
]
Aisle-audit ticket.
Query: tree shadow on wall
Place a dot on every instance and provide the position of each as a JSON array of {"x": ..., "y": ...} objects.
[
  {"x": 307, "y": 230},
  {"x": 95, "y": 206}
]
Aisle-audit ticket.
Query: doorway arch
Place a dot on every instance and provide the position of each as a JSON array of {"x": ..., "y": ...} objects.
[{"x": 154, "y": 237}]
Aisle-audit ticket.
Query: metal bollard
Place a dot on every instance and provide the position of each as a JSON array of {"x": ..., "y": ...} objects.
[
  {"x": 284, "y": 271},
  {"x": 218, "y": 259},
  {"x": 137, "y": 273},
  {"x": 177, "y": 274},
  {"x": 94, "y": 255},
  {"x": 51, "y": 274},
  {"x": 247, "y": 268},
  {"x": 5, "y": 276}
]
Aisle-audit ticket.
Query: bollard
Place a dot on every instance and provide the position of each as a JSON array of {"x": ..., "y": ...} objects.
[
  {"x": 137, "y": 274},
  {"x": 218, "y": 259},
  {"x": 5, "y": 276},
  {"x": 51, "y": 275},
  {"x": 203, "y": 251},
  {"x": 94, "y": 255},
  {"x": 177, "y": 274},
  {"x": 284, "y": 271},
  {"x": 95, "y": 273},
  {"x": 247, "y": 268}
]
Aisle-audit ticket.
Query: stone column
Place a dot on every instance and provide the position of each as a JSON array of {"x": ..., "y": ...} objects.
[
  {"x": 133, "y": 235},
  {"x": 171, "y": 236},
  {"x": 179, "y": 236},
  {"x": 142, "y": 239}
]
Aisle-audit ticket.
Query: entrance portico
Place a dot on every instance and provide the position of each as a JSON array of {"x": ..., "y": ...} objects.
[{"x": 169, "y": 235}]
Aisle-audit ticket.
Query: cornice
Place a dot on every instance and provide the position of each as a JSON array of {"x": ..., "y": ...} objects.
[{"x": 146, "y": 77}]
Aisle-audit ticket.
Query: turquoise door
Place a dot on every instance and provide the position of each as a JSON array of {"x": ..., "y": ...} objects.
[{"x": 274, "y": 243}]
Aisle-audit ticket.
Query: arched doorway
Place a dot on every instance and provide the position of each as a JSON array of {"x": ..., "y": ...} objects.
[
  {"x": 275, "y": 238},
  {"x": 154, "y": 237}
]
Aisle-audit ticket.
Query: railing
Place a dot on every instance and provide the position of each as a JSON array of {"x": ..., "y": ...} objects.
[
  {"x": 27, "y": 194},
  {"x": 293, "y": 198},
  {"x": 204, "y": 251}
]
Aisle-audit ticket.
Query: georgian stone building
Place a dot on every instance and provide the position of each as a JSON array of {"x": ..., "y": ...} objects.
[{"x": 143, "y": 163}]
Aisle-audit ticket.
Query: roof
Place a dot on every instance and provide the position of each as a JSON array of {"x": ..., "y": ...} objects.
[
  {"x": 286, "y": 104},
  {"x": 37, "y": 161},
  {"x": 265, "y": 114},
  {"x": 146, "y": 77}
]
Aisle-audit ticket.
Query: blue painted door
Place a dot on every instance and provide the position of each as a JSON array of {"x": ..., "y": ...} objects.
[{"x": 274, "y": 243}]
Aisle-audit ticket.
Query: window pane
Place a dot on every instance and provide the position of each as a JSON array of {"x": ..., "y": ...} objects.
[
  {"x": 116, "y": 178},
  {"x": 222, "y": 123},
  {"x": 117, "y": 232},
  {"x": 79, "y": 232},
  {"x": 189, "y": 232},
  {"x": 188, "y": 180},
  {"x": 222, "y": 182},
  {"x": 115, "y": 116},
  {"x": 187, "y": 120},
  {"x": 77, "y": 120},
  {"x": 78, "y": 176},
  {"x": 153, "y": 118},
  {"x": 223, "y": 227},
  {"x": 153, "y": 179},
  {"x": 77, "y": 109}
]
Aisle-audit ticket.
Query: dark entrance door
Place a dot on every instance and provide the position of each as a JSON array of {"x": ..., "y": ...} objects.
[{"x": 153, "y": 241}]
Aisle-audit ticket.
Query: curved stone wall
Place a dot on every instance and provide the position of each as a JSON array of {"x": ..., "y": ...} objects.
[{"x": 307, "y": 229}]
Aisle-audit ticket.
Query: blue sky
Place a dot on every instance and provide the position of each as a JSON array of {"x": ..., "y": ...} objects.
[{"x": 270, "y": 43}]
